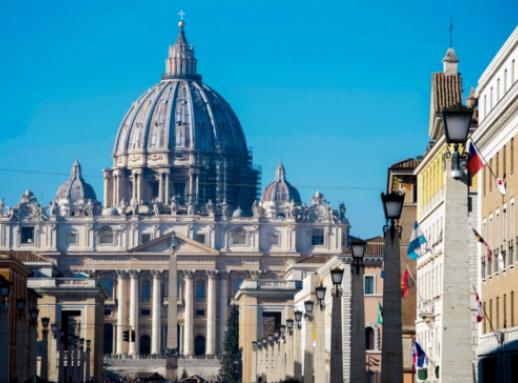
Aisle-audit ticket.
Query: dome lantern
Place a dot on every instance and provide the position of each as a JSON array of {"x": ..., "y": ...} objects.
[{"x": 181, "y": 62}]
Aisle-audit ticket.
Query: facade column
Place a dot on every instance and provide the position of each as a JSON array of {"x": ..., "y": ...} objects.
[
  {"x": 160, "y": 187},
  {"x": 121, "y": 311},
  {"x": 134, "y": 314},
  {"x": 309, "y": 351},
  {"x": 288, "y": 347},
  {"x": 108, "y": 184},
  {"x": 166, "y": 187},
  {"x": 140, "y": 185},
  {"x": 211, "y": 314},
  {"x": 297, "y": 357},
  {"x": 320, "y": 370},
  {"x": 156, "y": 313},
  {"x": 188, "y": 314},
  {"x": 223, "y": 308},
  {"x": 134, "y": 196}
]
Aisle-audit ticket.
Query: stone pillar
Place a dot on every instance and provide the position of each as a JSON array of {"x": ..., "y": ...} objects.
[
  {"x": 166, "y": 187},
  {"x": 160, "y": 187},
  {"x": 121, "y": 311},
  {"x": 211, "y": 314},
  {"x": 253, "y": 373},
  {"x": 61, "y": 351},
  {"x": 309, "y": 351},
  {"x": 297, "y": 356},
  {"x": 87, "y": 365},
  {"x": 107, "y": 196},
  {"x": 188, "y": 314},
  {"x": 44, "y": 368},
  {"x": 156, "y": 313},
  {"x": 289, "y": 370},
  {"x": 133, "y": 312},
  {"x": 357, "y": 327},
  {"x": 457, "y": 337},
  {"x": 140, "y": 185},
  {"x": 319, "y": 361},
  {"x": 392, "y": 343},
  {"x": 223, "y": 308}
]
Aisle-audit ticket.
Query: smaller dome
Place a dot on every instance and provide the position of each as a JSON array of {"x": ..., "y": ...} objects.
[
  {"x": 75, "y": 190},
  {"x": 280, "y": 190}
]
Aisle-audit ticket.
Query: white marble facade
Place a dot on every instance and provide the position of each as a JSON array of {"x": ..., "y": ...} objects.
[{"x": 180, "y": 164}]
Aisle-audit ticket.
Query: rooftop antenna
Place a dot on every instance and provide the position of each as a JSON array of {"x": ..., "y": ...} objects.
[{"x": 451, "y": 32}]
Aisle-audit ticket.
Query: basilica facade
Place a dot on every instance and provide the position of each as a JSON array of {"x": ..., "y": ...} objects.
[{"x": 181, "y": 166}]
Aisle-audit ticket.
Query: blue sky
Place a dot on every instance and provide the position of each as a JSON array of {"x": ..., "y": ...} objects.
[{"x": 338, "y": 90}]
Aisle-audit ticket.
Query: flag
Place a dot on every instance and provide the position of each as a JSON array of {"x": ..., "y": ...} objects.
[
  {"x": 421, "y": 355},
  {"x": 417, "y": 242},
  {"x": 414, "y": 358},
  {"x": 500, "y": 185},
  {"x": 406, "y": 282},
  {"x": 382, "y": 274},
  {"x": 380, "y": 314},
  {"x": 480, "y": 312},
  {"x": 475, "y": 161},
  {"x": 489, "y": 253}
]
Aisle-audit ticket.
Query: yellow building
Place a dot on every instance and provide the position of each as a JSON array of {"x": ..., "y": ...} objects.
[
  {"x": 19, "y": 331},
  {"x": 496, "y": 138}
]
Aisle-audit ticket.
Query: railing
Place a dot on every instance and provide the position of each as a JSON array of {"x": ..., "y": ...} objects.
[
  {"x": 270, "y": 284},
  {"x": 426, "y": 310},
  {"x": 490, "y": 341},
  {"x": 62, "y": 282}
]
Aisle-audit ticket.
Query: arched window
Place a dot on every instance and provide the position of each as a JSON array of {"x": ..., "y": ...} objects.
[
  {"x": 106, "y": 235},
  {"x": 200, "y": 290},
  {"x": 369, "y": 338},
  {"x": 145, "y": 290}
]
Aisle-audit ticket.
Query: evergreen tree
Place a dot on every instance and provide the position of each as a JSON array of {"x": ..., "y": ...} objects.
[{"x": 230, "y": 370}]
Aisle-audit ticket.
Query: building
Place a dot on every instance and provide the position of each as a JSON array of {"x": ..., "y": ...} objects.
[
  {"x": 496, "y": 138},
  {"x": 400, "y": 176},
  {"x": 19, "y": 318},
  {"x": 180, "y": 165},
  {"x": 432, "y": 216},
  {"x": 303, "y": 352}
]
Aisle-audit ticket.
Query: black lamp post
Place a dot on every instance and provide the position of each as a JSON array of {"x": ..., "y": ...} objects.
[
  {"x": 298, "y": 317},
  {"x": 320, "y": 292},
  {"x": 358, "y": 250},
  {"x": 45, "y": 354},
  {"x": 457, "y": 121},
  {"x": 283, "y": 330},
  {"x": 308, "y": 306},
  {"x": 289, "y": 325},
  {"x": 392, "y": 352}
]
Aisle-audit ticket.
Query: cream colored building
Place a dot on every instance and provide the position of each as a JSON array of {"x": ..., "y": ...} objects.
[
  {"x": 180, "y": 164},
  {"x": 496, "y": 138},
  {"x": 304, "y": 352}
]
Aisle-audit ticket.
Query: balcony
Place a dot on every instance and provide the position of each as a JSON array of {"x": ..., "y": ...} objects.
[
  {"x": 426, "y": 310},
  {"x": 50, "y": 283}
]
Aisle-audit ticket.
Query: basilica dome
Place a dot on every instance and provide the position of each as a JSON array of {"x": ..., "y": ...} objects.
[
  {"x": 179, "y": 114},
  {"x": 280, "y": 190}
]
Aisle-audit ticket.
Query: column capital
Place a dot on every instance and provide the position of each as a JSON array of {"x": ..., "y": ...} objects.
[
  {"x": 188, "y": 274},
  {"x": 121, "y": 273},
  {"x": 223, "y": 275},
  {"x": 157, "y": 274},
  {"x": 211, "y": 273},
  {"x": 164, "y": 171},
  {"x": 134, "y": 274},
  {"x": 107, "y": 173}
]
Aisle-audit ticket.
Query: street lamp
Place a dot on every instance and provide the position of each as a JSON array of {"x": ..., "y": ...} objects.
[
  {"x": 308, "y": 306},
  {"x": 457, "y": 121},
  {"x": 321, "y": 294},
  {"x": 392, "y": 352},
  {"x": 298, "y": 317},
  {"x": 358, "y": 250},
  {"x": 289, "y": 325},
  {"x": 45, "y": 322},
  {"x": 283, "y": 330},
  {"x": 33, "y": 315}
]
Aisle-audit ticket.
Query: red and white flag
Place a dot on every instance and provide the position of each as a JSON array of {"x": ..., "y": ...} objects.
[
  {"x": 500, "y": 185},
  {"x": 480, "y": 311}
]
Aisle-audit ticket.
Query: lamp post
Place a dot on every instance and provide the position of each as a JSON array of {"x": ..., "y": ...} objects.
[
  {"x": 392, "y": 352},
  {"x": 21, "y": 340},
  {"x": 5, "y": 288},
  {"x": 61, "y": 351},
  {"x": 456, "y": 356},
  {"x": 308, "y": 352},
  {"x": 44, "y": 369},
  {"x": 33, "y": 338},
  {"x": 320, "y": 372},
  {"x": 254, "y": 361},
  {"x": 357, "y": 312},
  {"x": 82, "y": 359},
  {"x": 87, "y": 364}
]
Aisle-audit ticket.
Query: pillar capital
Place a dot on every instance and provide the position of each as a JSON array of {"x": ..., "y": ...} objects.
[
  {"x": 134, "y": 274},
  {"x": 121, "y": 273},
  {"x": 157, "y": 274},
  {"x": 107, "y": 173},
  {"x": 212, "y": 274},
  {"x": 188, "y": 274}
]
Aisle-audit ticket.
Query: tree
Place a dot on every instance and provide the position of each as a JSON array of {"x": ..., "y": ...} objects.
[{"x": 230, "y": 370}]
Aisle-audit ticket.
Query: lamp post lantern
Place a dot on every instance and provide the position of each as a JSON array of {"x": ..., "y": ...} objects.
[
  {"x": 298, "y": 317},
  {"x": 320, "y": 292},
  {"x": 308, "y": 306},
  {"x": 392, "y": 346},
  {"x": 358, "y": 247}
]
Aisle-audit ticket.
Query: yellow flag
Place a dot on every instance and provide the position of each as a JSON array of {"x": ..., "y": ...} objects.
[{"x": 314, "y": 335}]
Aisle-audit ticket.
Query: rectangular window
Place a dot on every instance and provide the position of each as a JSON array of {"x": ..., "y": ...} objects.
[
  {"x": 497, "y": 159},
  {"x": 200, "y": 313},
  {"x": 505, "y": 81},
  {"x": 369, "y": 287},
  {"x": 490, "y": 183},
  {"x": 512, "y": 72},
  {"x": 199, "y": 238},
  {"x": 485, "y": 105},
  {"x": 497, "y": 89},
  {"x": 512, "y": 308},
  {"x": 144, "y": 238},
  {"x": 27, "y": 235},
  {"x": 107, "y": 284},
  {"x": 505, "y": 310},
  {"x": 504, "y": 160},
  {"x": 71, "y": 238},
  {"x": 107, "y": 312},
  {"x": 511, "y": 155},
  {"x": 483, "y": 267},
  {"x": 504, "y": 224},
  {"x": 276, "y": 239},
  {"x": 491, "y": 98},
  {"x": 317, "y": 237},
  {"x": 484, "y": 176},
  {"x": 145, "y": 312},
  {"x": 490, "y": 312},
  {"x": 497, "y": 312},
  {"x": 485, "y": 320}
]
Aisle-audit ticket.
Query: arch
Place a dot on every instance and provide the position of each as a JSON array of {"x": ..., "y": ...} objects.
[
  {"x": 200, "y": 290},
  {"x": 199, "y": 345},
  {"x": 369, "y": 338},
  {"x": 145, "y": 345}
]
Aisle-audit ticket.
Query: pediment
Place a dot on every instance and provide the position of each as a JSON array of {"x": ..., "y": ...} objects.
[{"x": 162, "y": 245}]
